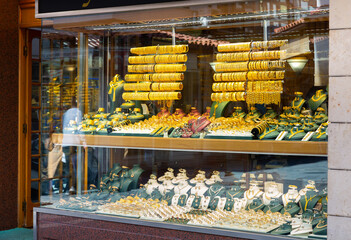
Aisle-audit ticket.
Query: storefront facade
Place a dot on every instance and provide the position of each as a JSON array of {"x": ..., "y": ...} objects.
[{"x": 337, "y": 110}]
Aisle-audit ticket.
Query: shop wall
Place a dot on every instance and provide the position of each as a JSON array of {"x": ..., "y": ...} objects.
[
  {"x": 339, "y": 149},
  {"x": 8, "y": 113}
]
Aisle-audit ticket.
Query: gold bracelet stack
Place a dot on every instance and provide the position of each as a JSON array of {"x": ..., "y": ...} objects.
[
  {"x": 265, "y": 75},
  {"x": 161, "y": 87},
  {"x": 268, "y": 44},
  {"x": 171, "y": 58},
  {"x": 144, "y": 86},
  {"x": 263, "y": 97},
  {"x": 237, "y": 76},
  {"x": 247, "y": 46},
  {"x": 137, "y": 77},
  {"x": 229, "y": 87},
  {"x": 141, "y": 59},
  {"x": 153, "y": 96},
  {"x": 232, "y": 67},
  {"x": 266, "y": 55},
  {"x": 172, "y": 49},
  {"x": 234, "y": 47},
  {"x": 167, "y": 68},
  {"x": 144, "y": 50},
  {"x": 228, "y": 96},
  {"x": 264, "y": 86},
  {"x": 157, "y": 68},
  {"x": 243, "y": 68},
  {"x": 141, "y": 68},
  {"x": 139, "y": 96},
  {"x": 166, "y": 77},
  {"x": 233, "y": 57}
]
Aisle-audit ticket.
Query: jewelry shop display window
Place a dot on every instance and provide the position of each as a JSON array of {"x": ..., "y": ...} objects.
[{"x": 211, "y": 116}]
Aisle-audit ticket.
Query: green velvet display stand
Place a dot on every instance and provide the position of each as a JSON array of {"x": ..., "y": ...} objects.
[
  {"x": 219, "y": 110},
  {"x": 135, "y": 174}
]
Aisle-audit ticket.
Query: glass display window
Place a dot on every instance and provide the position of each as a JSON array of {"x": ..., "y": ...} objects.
[{"x": 206, "y": 116}]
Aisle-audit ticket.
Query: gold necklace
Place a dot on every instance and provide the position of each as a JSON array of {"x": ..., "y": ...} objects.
[
  {"x": 320, "y": 134},
  {"x": 318, "y": 98},
  {"x": 321, "y": 221},
  {"x": 247, "y": 197},
  {"x": 133, "y": 173},
  {"x": 217, "y": 191},
  {"x": 232, "y": 196},
  {"x": 294, "y": 133},
  {"x": 307, "y": 201},
  {"x": 266, "y": 133},
  {"x": 299, "y": 105},
  {"x": 214, "y": 110},
  {"x": 255, "y": 207}
]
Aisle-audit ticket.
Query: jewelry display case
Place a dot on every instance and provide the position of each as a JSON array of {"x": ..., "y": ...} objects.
[{"x": 196, "y": 121}]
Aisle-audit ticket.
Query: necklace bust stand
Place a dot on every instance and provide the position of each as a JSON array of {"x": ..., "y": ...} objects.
[
  {"x": 317, "y": 100},
  {"x": 164, "y": 113},
  {"x": 320, "y": 116},
  {"x": 141, "y": 193},
  {"x": 291, "y": 196},
  {"x": 256, "y": 205},
  {"x": 135, "y": 174},
  {"x": 205, "y": 202},
  {"x": 99, "y": 114},
  {"x": 104, "y": 182},
  {"x": 114, "y": 173},
  {"x": 166, "y": 187},
  {"x": 269, "y": 115},
  {"x": 115, "y": 196},
  {"x": 321, "y": 227},
  {"x": 273, "y": 206},
  {"x": 309, "y": 125},
  {"x": 309, "y": 199},
  {"x": 295, "y": 134},
  {"x": 321, "y": 134},
  {"x": 271, "y": 194},
  {"x": 200, "y": 189},
  {"x": 166, "y": 180},
  {"x": 118, "y": 115},
  {"x": 196, "y": 203},
  {"x": 298, "y": 102},
  {"x": 115, "y": 91},
  {"x": 151, "y": 185},
  {"x": 168, "y": 196},
  {"x": 252, "y": 115},
  {"x": 183, "y": 187},
  {"x": 178, "y": 114},
  {"x": 207, "y": 113},
  {"x": 156, "y": 194},
  {"x": 125, "y": 180},
  {"x": 235, "y": 192},
  {"x": 252, "y": 193},
  {"x": 194, "y": 112},
  {"x": 136, "y": 115},
  {"x": 294, "y": 116},
  {"x": 270, "y": 132},
  {"x": 238, "y": 113},
  {"x": 216, "y": 188}
]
